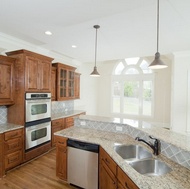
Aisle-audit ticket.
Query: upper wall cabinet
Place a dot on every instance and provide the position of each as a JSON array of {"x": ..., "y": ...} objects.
[
  {"x": 35, "y": 69},
  {"x": 65, "y": 82},
  {"x": 6, "y": 80}
]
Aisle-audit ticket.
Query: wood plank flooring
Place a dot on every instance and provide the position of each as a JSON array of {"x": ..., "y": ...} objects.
[{"x": 37, "y": 174}]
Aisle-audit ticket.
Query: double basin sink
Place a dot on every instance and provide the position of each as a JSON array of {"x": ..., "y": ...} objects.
[{"x": 142, "y": 160}]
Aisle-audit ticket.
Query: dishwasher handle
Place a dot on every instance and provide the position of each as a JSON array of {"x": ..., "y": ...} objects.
[{"x": 83, "y": 145}]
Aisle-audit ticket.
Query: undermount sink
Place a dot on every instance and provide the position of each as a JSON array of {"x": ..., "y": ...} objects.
[
  {"x": 132, "y": 152},
  {"x": 151, "y": 167}
]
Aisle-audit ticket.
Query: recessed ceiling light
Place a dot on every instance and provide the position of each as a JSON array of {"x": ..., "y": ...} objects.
[
  {"x": 74, "y": 46},
  {"x": 48, "y": 33}
]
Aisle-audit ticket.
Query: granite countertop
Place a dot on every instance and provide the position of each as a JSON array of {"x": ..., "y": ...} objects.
[
  {"x": 178, "y": 178},
  {"x": 9, "y": 127},
  {"x": 66, "y": 114},
  {"x": 180, "y": 140}
]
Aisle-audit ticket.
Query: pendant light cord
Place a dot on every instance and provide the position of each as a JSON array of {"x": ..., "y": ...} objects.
[
  {"x": 96, "y": 44},
  {"x": 157, "y": 25}
]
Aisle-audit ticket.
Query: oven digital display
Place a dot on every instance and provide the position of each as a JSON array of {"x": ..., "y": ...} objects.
[
  {"x": 38, "y": 109},
  {"x": 37, "y": 134}
]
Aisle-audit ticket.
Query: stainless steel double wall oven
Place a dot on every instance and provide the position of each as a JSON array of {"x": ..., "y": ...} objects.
[{"x": 38, "y": 119}]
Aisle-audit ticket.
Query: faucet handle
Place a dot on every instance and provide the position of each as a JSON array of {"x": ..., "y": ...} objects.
[{"x": 153, "y": 138}]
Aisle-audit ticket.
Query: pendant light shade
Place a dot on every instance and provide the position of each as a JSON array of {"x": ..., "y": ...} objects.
[
  {"x": 157, "y": 63},
  {"x": 95, "y": 71}
]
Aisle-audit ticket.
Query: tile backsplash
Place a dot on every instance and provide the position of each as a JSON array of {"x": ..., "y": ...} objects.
[
  {"x": 61, "y": 106},
  {"x": 56, "y": 107},
  {"x": 3, "y": 114},
  {"x": 172, "y": 152}
]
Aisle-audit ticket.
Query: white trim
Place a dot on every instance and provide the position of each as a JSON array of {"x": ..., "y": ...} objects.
[{"x": 188, "y": 102}]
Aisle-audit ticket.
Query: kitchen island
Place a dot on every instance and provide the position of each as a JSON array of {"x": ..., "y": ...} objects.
[{"x": 178, "y": 178}]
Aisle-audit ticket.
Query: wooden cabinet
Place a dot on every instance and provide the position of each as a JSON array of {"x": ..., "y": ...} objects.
[
  {"x": 36, "y": 70},
  {"x": 77, "y": 85},
  {"x": 1, "y": 156},
  {"x": 69, "y": 121},
  {"x": 65, "y": 76},
  {"x": 124, "y": 180},
  {"x": 56, "y": 125},
  {"x": 61, "y": 157},
  {"x": 107, "y": 171},
  {"x": 13, "y": 148},
  {"x": 6, "y": 80},
  {"x": 53, "y": 84},
  {"x": 111, "y": 175},
  {"x": 32, "y": 73}
]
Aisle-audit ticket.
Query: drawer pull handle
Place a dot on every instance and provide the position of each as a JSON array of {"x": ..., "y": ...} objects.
[
  {"x": 107, "y": 161},
  {"x": 13, "y": 135},
  {"x": 126, "y": 185},
  {"x": 13, "y": 160},
  {"x": 61, "y": 142}
]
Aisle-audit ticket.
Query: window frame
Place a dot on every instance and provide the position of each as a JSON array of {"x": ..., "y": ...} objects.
[{"x": 141, "y": 77}]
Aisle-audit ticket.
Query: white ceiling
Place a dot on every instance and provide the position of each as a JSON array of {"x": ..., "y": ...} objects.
[{"x": 127, "y": 27}]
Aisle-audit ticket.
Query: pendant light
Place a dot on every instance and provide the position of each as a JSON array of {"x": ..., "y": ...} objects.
[
  {"x": 157, "y": 63},
  {"x": 95, "y": 72}
]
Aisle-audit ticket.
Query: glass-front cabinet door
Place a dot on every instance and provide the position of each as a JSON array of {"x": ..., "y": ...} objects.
[
  {"x": 71, "y": 83},
  {"x": 65, "y": 81}
]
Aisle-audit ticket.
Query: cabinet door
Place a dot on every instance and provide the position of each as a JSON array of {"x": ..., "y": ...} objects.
[
  {"x": 61, "y": 157},
  {"x": 38, "y": 75},
  {"x": 31, "y": 73},
  {"x": 124, "y": 180},
  {"x": 1, "y": 156},
  {"x": 77, "y": 85},
  {"x": 62, "y": 84},
  {"x": 44, "y": 73},
  {"x": 71, "y": 84},
  {"x": 53, "y": 83},
  {"x": 56, "y": 125},
  {"x": 6, "y": 82},
  {"x": 106, "y": 178}
]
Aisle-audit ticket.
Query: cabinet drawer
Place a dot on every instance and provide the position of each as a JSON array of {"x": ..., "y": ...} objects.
[
  {"x": 61, "y": 140},
  {"x": 13, "y": 159},
  {"x": 125, "y": 180},
  {"x": 108, "y": 160},
  {"x": 57, "y": 122},
  {"x": 69, "y": 124},
  {"x": 69, "y": 119},
  {"x": 13, "y": 134},
  {"x": 13, "y": 145}
]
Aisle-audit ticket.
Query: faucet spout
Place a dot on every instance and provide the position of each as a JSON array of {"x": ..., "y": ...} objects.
[{"x": 156, "y": 146}]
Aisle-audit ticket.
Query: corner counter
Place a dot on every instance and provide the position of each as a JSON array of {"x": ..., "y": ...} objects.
[
  {"x": 108, "y": 132},
  {"x": 179, "y": 178}
]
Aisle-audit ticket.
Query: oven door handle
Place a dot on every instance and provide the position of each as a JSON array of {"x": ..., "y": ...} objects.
[{"x": 31, "y": 128}]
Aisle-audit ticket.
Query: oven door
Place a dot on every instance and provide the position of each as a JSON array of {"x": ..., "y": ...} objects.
[
  {"x": 37, "y": 134},
  {"x": 38, "y": 109}
]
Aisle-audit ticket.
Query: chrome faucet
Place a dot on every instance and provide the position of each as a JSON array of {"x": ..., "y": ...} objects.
[{"x": 156, "y": 146}]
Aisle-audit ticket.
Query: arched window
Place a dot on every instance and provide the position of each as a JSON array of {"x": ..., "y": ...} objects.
[{"x": 132, "y": 88}]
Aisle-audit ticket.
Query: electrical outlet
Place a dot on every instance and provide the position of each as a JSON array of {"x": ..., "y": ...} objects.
[
  {"x": 119, "y": 128},
  {"x": 83, "y": 123}
]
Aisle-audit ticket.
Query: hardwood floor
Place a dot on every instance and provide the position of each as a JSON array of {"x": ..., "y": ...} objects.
[{"x": 37, "y": 174}]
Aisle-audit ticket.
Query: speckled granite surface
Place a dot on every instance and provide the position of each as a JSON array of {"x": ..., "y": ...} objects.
[
  {"x": 65, "y": 114},
  {"x": 179, "y": 178},
  {"x": 9, "y": 127}
]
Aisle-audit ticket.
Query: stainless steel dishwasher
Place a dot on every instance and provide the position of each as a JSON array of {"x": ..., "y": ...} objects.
[{"x": 82, "y": 161}]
